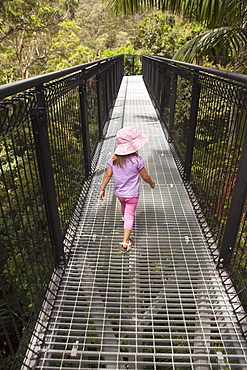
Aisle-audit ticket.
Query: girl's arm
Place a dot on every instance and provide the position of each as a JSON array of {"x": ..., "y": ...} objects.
[
  {"x": 146, "y": 177},
  {"x": 106, "y": 179}
]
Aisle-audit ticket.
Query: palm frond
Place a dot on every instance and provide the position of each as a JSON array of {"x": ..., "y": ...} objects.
[
  {"x": 214, "y": 13},
  {"x": 208, "y": 11},
  {"x": 220, "y": 42},
  {"x": 131, "y": 6},
  {"x": 237, "y": 14}
]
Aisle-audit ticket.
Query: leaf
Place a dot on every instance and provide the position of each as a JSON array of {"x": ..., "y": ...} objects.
[{"x": 225, "y": 40}]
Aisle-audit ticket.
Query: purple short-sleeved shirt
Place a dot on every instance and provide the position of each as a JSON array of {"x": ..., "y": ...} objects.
[{"x": 127, "y": 178}]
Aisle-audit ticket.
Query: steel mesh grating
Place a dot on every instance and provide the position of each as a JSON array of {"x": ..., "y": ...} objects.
[{"x": 161, "y": 306}]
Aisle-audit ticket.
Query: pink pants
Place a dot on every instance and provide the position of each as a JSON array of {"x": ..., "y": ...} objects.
[{"x": 128, "y": 208}]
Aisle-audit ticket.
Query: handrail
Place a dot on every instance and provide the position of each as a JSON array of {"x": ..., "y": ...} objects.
[
  {"x": 233, "y": 76},
  {"x": 32, "y": 82}
]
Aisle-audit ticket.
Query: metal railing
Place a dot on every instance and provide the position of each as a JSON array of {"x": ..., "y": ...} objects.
[
  {"x": 204, "y": 113},
  {"x": 51, "y": 127}
]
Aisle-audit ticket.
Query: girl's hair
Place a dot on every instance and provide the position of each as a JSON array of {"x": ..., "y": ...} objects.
[{"x": 119, "y": 160}]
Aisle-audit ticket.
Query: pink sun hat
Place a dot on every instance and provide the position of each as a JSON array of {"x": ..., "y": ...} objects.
[{"x": 129, "y": 141}]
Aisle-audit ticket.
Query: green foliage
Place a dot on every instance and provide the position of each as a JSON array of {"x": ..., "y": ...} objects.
[
  {"x": 39, "y": 36},
  {"x": 163, "y": 34},
  {"x": 154, "y": 34},
  {"x": 123, "y": 49},
  {"x": 25, "y": 28},
  {"x": 102, "y": 29},
  {"x": 66, "y": 50}
]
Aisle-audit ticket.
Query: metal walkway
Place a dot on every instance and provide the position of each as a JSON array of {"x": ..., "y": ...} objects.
[{"x": 161, "y": 306}]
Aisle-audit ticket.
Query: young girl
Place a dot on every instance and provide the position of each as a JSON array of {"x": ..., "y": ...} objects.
[{"x": 126, "y": 166}]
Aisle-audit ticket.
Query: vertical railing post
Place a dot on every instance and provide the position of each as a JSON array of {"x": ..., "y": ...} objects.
[
  {"x": 236, "y": 210},
  {"x": 120, "y": 70},
  {"x": 111, "y": 82},
  {"x": 109, "y": 87},
  {"x": 152, "y": 77},
  {"x": 107, "y": 98},
  {"x": 114, "y": 80},
  {"x": 99, "y": 100},
  {"x": 144, "y": 69},
  {"x": 42, "y": 146},
  {"x": 172, "y": 107},
  {"x": 162, "y": 91},
  {"x": 149, "y": 72},
  {"x": 192, "y": 128},
  {"x": 157, "y": 85},
  {"x": 85, "y": 126}
]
